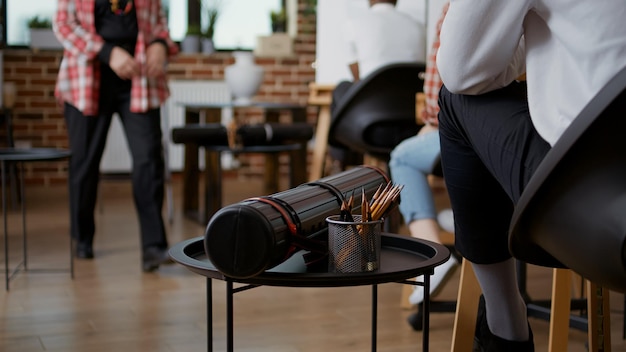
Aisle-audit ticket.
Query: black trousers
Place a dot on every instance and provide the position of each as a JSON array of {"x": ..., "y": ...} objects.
[
  {"x": 87, "y": 138},
  {"x": 489, "y": 151}
]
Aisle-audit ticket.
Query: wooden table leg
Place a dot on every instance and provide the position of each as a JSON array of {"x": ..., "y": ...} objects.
[
  {"x": 191, "y": 173},
  {"x": 297, "y": 166},
  {"x": 297, "y": 159},
  {"x": 212, "y": 184},
  {"x": 271, "y": 173}
]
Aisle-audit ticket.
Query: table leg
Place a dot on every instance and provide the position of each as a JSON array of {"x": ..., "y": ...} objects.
[
  {"x": 297, "y": 166},
  {"x": 6, "y": 228},
  {"x": 23, "y": 196},
  {"x": 374, "y": 316},
  {"x": 191, "y": 170},
  {"x": 271, "y": 173},
  {"x": 426, "y": 313},
  {"x": 212, "y": 184},
  {"x": 209, "y": 314},
  {"x": 229, "y": 316},
  {"x": 297, "y": 161}
]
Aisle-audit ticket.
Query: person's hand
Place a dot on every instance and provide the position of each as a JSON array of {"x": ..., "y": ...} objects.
[
  {"x": 123, "y": 64},
  {"x": 427, "y": 128},
  {"x": 156, "y": 59}
]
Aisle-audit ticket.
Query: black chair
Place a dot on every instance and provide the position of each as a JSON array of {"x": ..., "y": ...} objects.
[
  {"x": 378, "y": 112},
  {"x": 572, "y": 213}
]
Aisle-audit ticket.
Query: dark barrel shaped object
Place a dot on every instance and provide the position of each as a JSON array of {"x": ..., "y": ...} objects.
[{"x": 244, "y": 239}]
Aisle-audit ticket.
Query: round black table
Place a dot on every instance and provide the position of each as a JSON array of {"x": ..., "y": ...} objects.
[
  {"x": 402, "y": 258},
  {"x": 17, "y": 156}
]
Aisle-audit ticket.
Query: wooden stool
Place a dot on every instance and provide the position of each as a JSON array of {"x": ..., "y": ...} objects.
[{"x": 597, "y": 303}]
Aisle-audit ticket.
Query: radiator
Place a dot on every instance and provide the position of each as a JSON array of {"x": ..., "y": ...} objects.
[
  {"x": 116, "y": 157},
  {"x": 187, "y": 91}
]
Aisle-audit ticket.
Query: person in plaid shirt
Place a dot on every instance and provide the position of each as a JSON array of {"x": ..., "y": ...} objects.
[
  {"x": 410, "y": 164},
  {"x": 114, "y": 61}
]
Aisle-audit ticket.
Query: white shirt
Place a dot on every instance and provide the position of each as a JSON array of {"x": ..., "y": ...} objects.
[
  {"x": 382, "y": 36},
  {"x": 569, "y": 48}
]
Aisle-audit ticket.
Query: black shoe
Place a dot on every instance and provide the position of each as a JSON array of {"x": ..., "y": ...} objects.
[
  {"x": 153, "y": 257},
  {"x": 84, "y": 250},
  {"x": 486, "y": 341}
]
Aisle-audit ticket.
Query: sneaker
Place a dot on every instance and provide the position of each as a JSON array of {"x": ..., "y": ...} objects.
[
  {"x": 442, "y": 273},
  {"x": 445, "y": 218}
]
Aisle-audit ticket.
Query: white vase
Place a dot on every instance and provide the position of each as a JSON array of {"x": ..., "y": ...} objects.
[{"x": 244, "y": 77}]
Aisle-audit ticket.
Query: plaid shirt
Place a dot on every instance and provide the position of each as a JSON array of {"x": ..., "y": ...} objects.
[
  {"x": 432, "y": 81},
  {"x": 78, "y": 81}
]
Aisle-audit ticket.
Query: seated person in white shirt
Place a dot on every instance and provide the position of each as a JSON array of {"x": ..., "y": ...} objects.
[{"x": 380, "y": 36}]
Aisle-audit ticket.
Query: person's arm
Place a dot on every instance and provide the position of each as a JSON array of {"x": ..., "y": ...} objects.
[
  {"x": 76, "y": 39},
  {"x": 160, "y": 31},
  {"x": 160, "y": 46},
  {"x": 482, "y": 47},
  {"x": 432, "y": 80}
]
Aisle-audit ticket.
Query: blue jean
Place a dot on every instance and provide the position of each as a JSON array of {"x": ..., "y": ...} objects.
[{"x": 410, "y": 164}]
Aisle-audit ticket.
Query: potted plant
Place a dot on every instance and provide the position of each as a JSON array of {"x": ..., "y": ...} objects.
[
  {"x": 279, "y": 43},
  {"x": 279, "y": 21},
  {"x": 41, "y": 34},
  {"x": 212, "y": 11},
  {"x": 191, "y": 42}
]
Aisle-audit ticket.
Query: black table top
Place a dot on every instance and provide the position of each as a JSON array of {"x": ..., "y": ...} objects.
[
  {"x": 402, "y": 258},
  {"x": 32, "y": 154}
]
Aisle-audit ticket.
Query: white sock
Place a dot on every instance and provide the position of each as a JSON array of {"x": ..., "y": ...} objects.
[{"x": 506, "y": 310}]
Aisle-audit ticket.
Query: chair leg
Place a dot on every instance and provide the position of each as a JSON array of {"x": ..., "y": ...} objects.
[
  {"x": 560, "y": 310},
  {"x": 466, "y": 310},
  {"x": 598, "y": 313},
  {"x": 599, "y": 318}
]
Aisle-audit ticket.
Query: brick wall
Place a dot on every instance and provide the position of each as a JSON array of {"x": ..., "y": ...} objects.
[{"x": 38, "y": 119}]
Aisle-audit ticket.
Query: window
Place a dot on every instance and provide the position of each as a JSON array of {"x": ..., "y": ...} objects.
[
  {"x": 238, "y": 26},
  {"x": 19, "y": 12}
]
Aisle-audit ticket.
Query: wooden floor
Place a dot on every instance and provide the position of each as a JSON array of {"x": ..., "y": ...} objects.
[{"x": 111, "y": 305}]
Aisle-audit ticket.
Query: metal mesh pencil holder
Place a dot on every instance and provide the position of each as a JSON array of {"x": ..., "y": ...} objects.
[{"x": 353, "y": 247}]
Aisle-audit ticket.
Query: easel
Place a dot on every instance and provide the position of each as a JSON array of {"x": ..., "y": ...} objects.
[{"x": 320, "y": 95}]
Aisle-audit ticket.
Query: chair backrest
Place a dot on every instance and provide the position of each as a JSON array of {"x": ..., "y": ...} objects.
[
  {"x": 572, "y": 213},
  {"x": 378, "y": 112}
]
